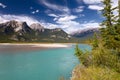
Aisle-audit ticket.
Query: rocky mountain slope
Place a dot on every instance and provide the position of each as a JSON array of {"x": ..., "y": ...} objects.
[
  {"x": 14, "y": 31},
  {"x": 85, "y": 34}
]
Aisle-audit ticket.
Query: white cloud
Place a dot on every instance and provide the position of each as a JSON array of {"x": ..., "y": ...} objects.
[
  {"x": 90, "y": 25},
  {"x": 97, "y": 4},
  {"x": 54, "y": 6},
  {"x": 79, "y": 9},
  {"x": 94, "y": 4},
  {"x": 95, "y": 7},
  {"x": 34, "y": 12},
  {"x": 37, "y": 11},
  {"x": 67, "y": 23},
  {"x": 92, "y": 1},
  {"x": 23, "y": 18},
  {"x": 2, "y": 5},
  {"x": 53, "y": 15},
  {"x": 76, "y": 26},
  {"x": 66, "y": 18},
  {"x": 69, "y": 26},
  {"x": 49, "y": 25},
  {"x": 115, "y": 4}
]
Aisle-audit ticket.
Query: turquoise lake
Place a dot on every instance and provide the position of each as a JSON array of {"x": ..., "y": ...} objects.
[{"x": 50, "y": 64}]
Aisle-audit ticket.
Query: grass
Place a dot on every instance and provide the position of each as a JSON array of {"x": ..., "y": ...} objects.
[{"x": 94, "y": 73}]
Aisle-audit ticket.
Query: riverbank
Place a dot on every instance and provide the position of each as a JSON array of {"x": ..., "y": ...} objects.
[
  {"x": 76, "y": 73},
  {"x": 31, "y": 46}
]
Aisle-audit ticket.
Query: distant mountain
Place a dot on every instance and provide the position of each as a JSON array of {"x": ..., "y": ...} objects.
[
  {"x": 37, "y": 27},
  {"x": 85, "y": 34},
  {"x": 14, "y": 26},
  {"x": 14, "y": 31}
]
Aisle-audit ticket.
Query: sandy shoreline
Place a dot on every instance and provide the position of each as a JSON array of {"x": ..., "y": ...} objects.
[
  {"x": 48, "y": 45},
  {"x": 6, "y": 47}
]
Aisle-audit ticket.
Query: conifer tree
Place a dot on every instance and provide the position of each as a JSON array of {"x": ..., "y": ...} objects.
[
  {"x": 95, "y": 41},
  {"x": 109, "y": 32},
  {"x": 107, "y": 13},
  {"x": 78, "y": 52}
]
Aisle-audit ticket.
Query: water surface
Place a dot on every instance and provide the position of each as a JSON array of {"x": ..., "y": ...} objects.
[{"x": 50, "y": 64}]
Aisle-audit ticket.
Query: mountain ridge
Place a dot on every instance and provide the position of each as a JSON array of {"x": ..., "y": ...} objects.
[
  {"x": 86, "y": 33},
  {"x": 20, "y": 32}
]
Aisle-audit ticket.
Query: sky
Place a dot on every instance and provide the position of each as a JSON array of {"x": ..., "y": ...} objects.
[{"x": 70, "y": 15}]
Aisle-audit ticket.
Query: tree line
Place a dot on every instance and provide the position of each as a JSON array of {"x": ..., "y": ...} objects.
[{"x": 105, "y": 53}]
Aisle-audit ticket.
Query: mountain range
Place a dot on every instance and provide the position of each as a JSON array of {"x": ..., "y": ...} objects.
[
  {"x": 86, "y": 33},
  {"x": 14, "y": 31}
]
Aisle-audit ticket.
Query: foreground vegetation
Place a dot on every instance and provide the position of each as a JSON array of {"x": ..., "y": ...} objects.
[
  {"x": 103, "y": 61},
  {"x": 95, "y": 73}
]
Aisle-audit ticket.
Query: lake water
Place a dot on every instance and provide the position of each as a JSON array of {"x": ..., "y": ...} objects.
[{"x": 51, "y": 64}]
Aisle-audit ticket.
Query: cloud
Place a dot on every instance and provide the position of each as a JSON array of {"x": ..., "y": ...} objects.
[
  {"x": 95, "y": 7},
  {"x": 92, "y": 1},
  {"x": 94, "y": 4},
  {"x": 66, "y": 18},
  {"x": 53, "y": 15},
  {"x": 72, "y": 26},
  {"x": 79, "y": 9},
  {"x": 37, "y": 11},
  {"x": 69, "y": 24},
  {"x": 34, "y": 12},
  {"x": 23, "y": 18},
  {"x": 2, "y": 5},
  {"x": 54, "y": 6},
  {"x": 97, "y": 4},
  {"x": 115, "y": 4},
  {"x": 49, "y": 25},
  {"x": 65, "y": 21}
]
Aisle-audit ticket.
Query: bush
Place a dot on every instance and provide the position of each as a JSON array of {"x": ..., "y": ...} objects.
[
  {"x": 94, "y": 73},
  {"x": 104, "y": 57},
  {"x": 83, "y": 56}
]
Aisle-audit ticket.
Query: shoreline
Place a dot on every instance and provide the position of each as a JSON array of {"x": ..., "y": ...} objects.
[
  {"x": 47, "y": 45},
  {"x": 14, "y": 47}
]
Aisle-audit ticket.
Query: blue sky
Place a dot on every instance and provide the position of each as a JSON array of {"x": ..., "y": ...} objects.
[{"x": 70, "y": 15}]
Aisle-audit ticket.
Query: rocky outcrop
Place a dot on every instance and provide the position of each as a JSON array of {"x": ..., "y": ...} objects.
[
  {"x": 37, "y": 27},
  {"x": 15, "y": 26}
]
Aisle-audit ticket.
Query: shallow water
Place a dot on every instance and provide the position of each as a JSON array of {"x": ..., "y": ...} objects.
[{"x": 50, "y": 64}]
